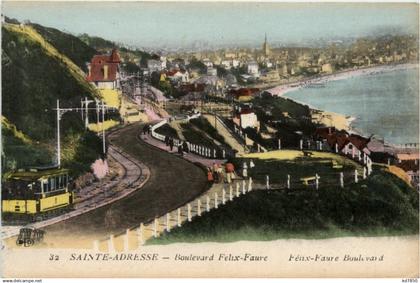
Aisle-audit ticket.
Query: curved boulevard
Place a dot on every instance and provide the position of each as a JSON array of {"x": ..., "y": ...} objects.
[{"x": 173, "y": 182}]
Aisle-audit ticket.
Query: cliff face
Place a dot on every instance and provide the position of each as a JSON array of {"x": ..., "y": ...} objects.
[{"x": 35, "y": 73}]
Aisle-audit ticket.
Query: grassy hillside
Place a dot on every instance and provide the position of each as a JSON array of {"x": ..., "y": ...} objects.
[
  {"x": 71, "y": 46},
  {"x": 380, "y": 205},
  {"x": 96, "y": 42},
  {"x": 128, "y": 55},
  {"x": 34, "y": 75}
]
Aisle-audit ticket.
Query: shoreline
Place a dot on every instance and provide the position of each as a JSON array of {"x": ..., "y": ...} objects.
[
  {"x": 334, "y": 119},
  {"x": 342, "y": 75}
]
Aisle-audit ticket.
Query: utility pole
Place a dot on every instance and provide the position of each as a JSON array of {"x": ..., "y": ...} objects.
[
  {"x": 58, "y": 134},
  {"x": 61, "y": 111},
  {"x": 85, "y": 103},
  {"x": 103, "y": 128},
  {"x": 97, "y": 112}
]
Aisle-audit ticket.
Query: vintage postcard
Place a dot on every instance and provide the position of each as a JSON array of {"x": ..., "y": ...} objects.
[{"x": 209, "y": 139}]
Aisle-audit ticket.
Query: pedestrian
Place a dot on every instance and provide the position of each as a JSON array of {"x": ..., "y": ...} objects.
[
  {"x": 167, "y": 140},
  {"x": 219, "y": 171},
  {"x": 171, "y": 143},
  {"x": 180, "y": 151},
  {"x": 149, "y": 129},
  {"x": 210, "y": 178},
  {"x": 185, "y": 147},
  {"x": 230, "y": 169}
]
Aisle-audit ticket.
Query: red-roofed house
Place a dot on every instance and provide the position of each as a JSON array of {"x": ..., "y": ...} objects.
[
  {"x": 104, "y": 70},
  {"x": 178, "y": 75},
  {"x": 341, "y": 141}
]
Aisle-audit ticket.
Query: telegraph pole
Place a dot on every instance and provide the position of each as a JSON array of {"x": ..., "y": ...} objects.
[
  {"x": 86, "y": 109},
  {"x": 97, "y": 112},
  {"x": 61, "y": 111},
  {"x": 58, "y": 135},
  {"x": 103, "y": 128}
]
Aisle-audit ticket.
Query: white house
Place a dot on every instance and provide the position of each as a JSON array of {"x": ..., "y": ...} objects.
[
  {"x": 178, "y": 75},
  {"x": 211, "y": 71},
  {"x": 207, "y": 63},
  {"x": 252, "y": 68},
  {"x": 156, "y": 65}
]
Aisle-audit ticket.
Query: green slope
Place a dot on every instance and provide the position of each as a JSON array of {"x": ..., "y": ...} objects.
[
  {"x": 382, "y": 205},
  {"x": 34, "y": 75},
  {"x": 71, "y": 46}
]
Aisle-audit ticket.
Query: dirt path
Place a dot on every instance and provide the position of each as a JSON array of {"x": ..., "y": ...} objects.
[{"x": 229, "y": 139}]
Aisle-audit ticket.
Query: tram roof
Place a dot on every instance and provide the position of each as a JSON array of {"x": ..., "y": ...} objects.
[{"x": 35, "y": 174}]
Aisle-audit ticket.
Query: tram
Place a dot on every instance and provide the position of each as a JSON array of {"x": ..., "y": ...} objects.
[{"x": 35, "y": 194}]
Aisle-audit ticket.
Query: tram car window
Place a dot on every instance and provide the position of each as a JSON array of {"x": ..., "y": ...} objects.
[{"x": 36, "y": 194}]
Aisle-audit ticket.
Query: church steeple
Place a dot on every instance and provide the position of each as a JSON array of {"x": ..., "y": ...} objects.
[{"x": 266, "y": 47}]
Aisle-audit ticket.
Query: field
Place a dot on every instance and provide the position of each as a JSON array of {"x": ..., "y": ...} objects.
[
  {"x": 278, "y": 164},
  {"x": 380, "y": 205},
  {"x": 107, "y": 125},
  {"x": 111, "y": 97}
]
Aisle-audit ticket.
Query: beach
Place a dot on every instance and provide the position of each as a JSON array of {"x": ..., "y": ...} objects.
[
  {"x": 320, "y": 80},
  {"x": 332, "y": 119},
  {"x": 327, "y": 115}
]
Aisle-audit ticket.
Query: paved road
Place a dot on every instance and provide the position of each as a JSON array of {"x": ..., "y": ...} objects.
[
  {"x": 173, "y": 182},
  {"x": 131, "y": 176}
]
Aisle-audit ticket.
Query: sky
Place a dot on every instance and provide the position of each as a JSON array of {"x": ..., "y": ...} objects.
[{"x": 202, "y": 25}]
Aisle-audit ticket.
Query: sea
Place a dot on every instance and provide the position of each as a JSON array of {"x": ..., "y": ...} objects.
[{"x": 384, "y": 104}]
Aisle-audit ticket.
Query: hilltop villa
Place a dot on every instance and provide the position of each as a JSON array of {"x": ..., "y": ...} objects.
[{"x": 104, "y": 70}]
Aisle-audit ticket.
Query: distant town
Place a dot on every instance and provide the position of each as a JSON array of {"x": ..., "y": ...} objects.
[{"x": 169, "y": 138}]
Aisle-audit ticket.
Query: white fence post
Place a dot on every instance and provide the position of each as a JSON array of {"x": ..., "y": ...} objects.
[
  {"x": 301, "y": 144},
  {"x": 230, "y": 192},
  {"x": 342, "y": 179},
  {"x": 199, "y": 207},
  {"x": 288, "y": 181},
  {"x": 111, "y": 247},
  {"x": 168, "y": 222},
  {"x": 267, "y": 182},
  {"x": 179, "y": 217},
  {"x": 126, "y": 238},
  {"x": 243, "y": 187},
  {"x": 356, "y": 179},
  {"x": 216, "y": 204},
  {"x": 224, "y": 154},
  {"x": 279, "y": 143},
  {"x": 237, "y": 189},
  {"x": 223, "y": 196},
  {"x": 249, "y": 184},
  {"x": 316, "y": 181},
  {"x": 155, "y": 228},
  {"x": 364, "y": 173},
  {"x": 207, "y": 203},
  {"x": 214, "y": 153},
  {"x": 189, "y": 212}
]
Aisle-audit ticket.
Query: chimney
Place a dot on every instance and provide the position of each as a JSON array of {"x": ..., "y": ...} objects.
[{"x": 105, "y": 72}]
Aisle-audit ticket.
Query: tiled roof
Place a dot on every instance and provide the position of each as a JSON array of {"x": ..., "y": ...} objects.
[{"x": 97, "y": 70}]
